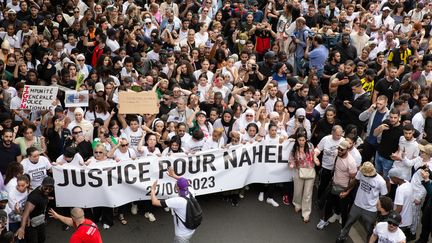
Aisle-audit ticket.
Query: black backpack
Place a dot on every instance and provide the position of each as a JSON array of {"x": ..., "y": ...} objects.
[{"x": 193, "y": 213}]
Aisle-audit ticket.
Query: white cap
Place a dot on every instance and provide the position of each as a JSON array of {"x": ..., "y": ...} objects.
[{"x": 386, "y": 8}]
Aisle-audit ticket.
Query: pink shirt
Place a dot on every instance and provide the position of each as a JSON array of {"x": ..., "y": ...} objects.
[{"x": 344, "y": 167}]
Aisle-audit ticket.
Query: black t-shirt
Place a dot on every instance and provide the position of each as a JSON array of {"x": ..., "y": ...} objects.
[
  {"x": 39, "y": 200},
  {"x": 344, "y": 92},
  {"x": 389, "y": 140},
  {"x": 384, "y": 87},
  {"x": 8, "y": 155}
]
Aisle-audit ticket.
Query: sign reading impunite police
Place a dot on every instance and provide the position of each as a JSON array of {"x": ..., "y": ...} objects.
[{"x": 111, "y": 184}]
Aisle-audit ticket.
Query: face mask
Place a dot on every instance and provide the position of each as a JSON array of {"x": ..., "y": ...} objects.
[{"x": 242, "y": 42}]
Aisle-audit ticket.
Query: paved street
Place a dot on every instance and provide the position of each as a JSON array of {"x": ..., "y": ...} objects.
[{"x": 251, "y": 222}]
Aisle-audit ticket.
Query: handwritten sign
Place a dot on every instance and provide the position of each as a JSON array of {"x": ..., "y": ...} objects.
[
  {"x": 76, "y": 98},
  {"x": 138, "y": 103},
  {"x": 38, "y": 97}
]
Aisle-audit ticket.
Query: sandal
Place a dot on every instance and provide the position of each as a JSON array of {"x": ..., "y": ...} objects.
[{"x": 122, "y": 220}]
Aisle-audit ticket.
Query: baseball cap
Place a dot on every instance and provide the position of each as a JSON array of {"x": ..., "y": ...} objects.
[
  {"x": 344, "y": 144},
  {"x": 403, "y": 42},
  {"x": 48, "y": 181},
  {"x": 183, "y": 185},
  {"x": 201, "y": 113},
  {"x": 300, "y": 112},
  {"x": 386, "y": 9},
  {"x": 269, "y": 54},
  {"x": 99, "y": 87},
  {"x": 147, "y": 20},
  {"x": 4, "y": 196},
  {"x": 394, "y": 218},
  {"x": 396, "y": 172}
]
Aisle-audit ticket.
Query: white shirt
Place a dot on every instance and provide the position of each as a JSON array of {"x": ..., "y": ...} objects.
[
  {"x": 404, "y": 198},
  {"x": 389, "y": 21},
  {"x": 192, "y": 145},
  {"x": 201, "y": 38},
  {"x": 370, "y": 188},
  {"x": 418, "y": 122},
  {"x": 76, "y": 160},
  {"x": 129, "y": 154},
  {"x": 328, "y": 146},
  {"x": 15, "y": 197},
  {"x": 178, "y": 205},
  {"x": 385, "y": 236},
  {"x": 411, "y": 150},
  {"x": 133, "y": 137},
  {"x": 113, "y": 45},
  {"x": 38, "y": 171},
  {"x": 356, "y": 155}
]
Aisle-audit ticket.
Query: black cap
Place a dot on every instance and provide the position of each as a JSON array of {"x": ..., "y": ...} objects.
[
  {"x": 269, "y": 54},
  {"x": 403, "y": 42},
  {"x": 48, "y": 181},
  {"x": 394, "y": 218}
]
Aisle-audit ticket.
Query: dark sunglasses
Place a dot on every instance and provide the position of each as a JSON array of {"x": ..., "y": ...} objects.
[
  {"x": 98, "y": 152},
  {"x": 124, "y": 145},
  {"x": 77, "y": 132}
]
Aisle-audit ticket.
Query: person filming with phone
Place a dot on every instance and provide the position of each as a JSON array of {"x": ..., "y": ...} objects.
[{"x": 374, "y": 116}]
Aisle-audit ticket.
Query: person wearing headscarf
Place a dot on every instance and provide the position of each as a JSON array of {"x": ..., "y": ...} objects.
[
  {"x": 247, "y": 117},
  {"x": 226, "y": 122},
  {"x": 79, "y": 120}
]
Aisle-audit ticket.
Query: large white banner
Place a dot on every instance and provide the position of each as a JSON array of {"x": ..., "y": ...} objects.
[{"x": 112, "y": 184}]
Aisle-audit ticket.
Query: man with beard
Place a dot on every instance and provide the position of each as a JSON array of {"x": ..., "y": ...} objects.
[
  {"x": 330, "y": 68},
  {"x": 33, "y": 217},
  {"x": 347, "y": 51},
  {"x": 389, "y": 131},
  {"x": 343, "y": 82},
  {"x": 388, "y": 86},
  {"x": 9, "y": 151}
]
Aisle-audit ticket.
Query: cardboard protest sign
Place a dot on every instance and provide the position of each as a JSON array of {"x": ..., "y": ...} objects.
[
  {"x": 38, "y": 97},
  {"x": 138, "y": 102},
  {"x": 76, "y": 98}
]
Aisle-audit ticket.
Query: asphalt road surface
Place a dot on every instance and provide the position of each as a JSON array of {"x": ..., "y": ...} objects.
[{"x": 251, "y": 222}]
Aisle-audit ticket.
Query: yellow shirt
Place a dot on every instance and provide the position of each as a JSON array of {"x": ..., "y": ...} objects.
[{"x": 368, "y": 86}]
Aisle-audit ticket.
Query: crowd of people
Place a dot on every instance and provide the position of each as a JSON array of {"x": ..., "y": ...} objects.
[{"x": 346, "y": 83}]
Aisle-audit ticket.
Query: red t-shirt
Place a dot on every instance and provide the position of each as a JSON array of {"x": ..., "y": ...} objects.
[{"x": 87, "y": 232}]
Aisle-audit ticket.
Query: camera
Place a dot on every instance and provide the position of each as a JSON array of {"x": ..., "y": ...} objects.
[
  {"x": 254, "y": 67},
  {"x": 106, "y": 135}
]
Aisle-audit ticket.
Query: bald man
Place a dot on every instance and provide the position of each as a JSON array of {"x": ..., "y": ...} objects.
[{"x": 86, "y": 231}]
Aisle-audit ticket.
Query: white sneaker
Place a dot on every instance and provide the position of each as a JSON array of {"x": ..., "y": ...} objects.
[
  {"x": 241, "y": 196},
  {"x": 134, "y": 209},
  {"x": 105, "y": 226},
  {"x": 150, "y": 217},
  {"x": 261, "y": 196},
  {"x": 334, "y": 218},
  {"x": 166, "y": 209},
  {"x": 322, "y": 224},
  {"x": 272, "y": 202}
]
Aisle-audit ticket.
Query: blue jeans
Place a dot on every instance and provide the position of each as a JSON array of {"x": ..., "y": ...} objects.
[{"x": 383, "y": 165}]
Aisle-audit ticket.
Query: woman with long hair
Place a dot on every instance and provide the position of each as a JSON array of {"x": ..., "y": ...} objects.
[
  {"x": 174, "y": 146},
  {"x": 324, "y": 125},
  {"x": 303, "y": 160},
  {"x": 30, "y": 140}
]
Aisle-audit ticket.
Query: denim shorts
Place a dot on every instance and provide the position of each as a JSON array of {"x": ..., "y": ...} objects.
[{"x": 383, "y": 165}]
